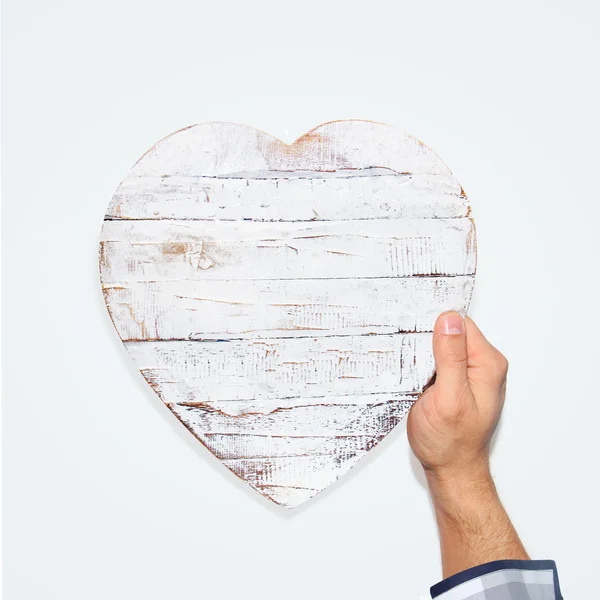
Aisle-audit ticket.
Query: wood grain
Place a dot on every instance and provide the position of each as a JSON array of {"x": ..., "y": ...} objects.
[
  {"x": 186, "y": 310},
  {"x": 176, "y": 250},
  {"x": 280, "y": 298},
  {"x": 312, "y": 198},
  {"x": 283, "y": 457},
  {"x": 278, "y": 368}
]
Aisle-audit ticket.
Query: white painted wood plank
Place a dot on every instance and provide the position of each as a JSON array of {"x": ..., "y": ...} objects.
[
  {"x": 287, "y": 367},
  {"x": 183, "y": 250},
  {"x": 289, "y": 199},
  {"x": 221, "y": 149},
  {"x": 265, "y": 406},
  {"x": 326, "y": 421},
  {"x": 244, "y": 446},
  {"x": 287, "y": 496},
  {"x": 247, "y": 444},
  {"x": 304, "y": 471},
  {"x": 181, "y": 310}
]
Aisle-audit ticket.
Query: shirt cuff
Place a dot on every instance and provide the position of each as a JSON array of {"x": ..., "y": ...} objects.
[{"x": 477, "y": 580}]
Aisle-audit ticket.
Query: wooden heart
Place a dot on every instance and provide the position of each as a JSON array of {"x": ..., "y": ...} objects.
[{"x": 280, "y": 298}]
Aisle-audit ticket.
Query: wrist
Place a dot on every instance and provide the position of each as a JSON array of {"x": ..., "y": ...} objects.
[
  {"x": 461, "y": 490},
  {"x": 473, "y": 525}
]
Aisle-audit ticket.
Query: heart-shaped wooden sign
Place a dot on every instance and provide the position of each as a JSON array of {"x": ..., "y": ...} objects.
[{"x": 280, "y": 298}]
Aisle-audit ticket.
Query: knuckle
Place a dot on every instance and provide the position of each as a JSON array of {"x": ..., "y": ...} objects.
[
  {"x": 497, "y": 367},
  {"x": 459, "y": 363},
  {"x": 501, "y": 363}
]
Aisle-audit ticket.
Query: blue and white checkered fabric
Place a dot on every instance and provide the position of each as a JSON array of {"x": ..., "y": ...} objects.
[{"x": 502, "y": 580}]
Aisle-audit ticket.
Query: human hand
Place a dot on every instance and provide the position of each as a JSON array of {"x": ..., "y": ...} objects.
[
  {"x": 451, "y": 425},
  {"x": 450, "y": 429}
]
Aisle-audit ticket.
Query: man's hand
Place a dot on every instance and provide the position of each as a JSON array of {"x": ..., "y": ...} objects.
[
  {"x": 451, "y": 425},
  {"x": 450, "y": 429}
]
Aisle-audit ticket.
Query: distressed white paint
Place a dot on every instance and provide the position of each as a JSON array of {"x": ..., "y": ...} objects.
[
  {"x": 265, "y": 405},
  {"x": 181, "y": 310},
  {"x": 280, "y": 298},
  {"x": 278, "y": 368},
  {"x": 252, "y": 250},
  {"x": 280, "y": 451},
  {"x": 289, "y": 199}
]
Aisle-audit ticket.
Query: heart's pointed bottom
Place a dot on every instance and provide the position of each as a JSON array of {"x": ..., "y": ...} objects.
[
  {"x": 287, "y": 497},
  {"x": 307, "y": 454}
]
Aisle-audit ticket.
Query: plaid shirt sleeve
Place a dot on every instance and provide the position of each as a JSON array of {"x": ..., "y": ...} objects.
[{"x": 502, "y": 580}]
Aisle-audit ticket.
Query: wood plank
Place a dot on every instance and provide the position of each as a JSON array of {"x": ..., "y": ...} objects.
[
  {"x": 222, "y": 149},
  {"x": 182, "y": 250},
  {"x": 265, "y": 406},
  {"x": 245, "y": 446},
  {"x": 319, "y": 420},
  {"x": 312, "y": 472},
  {"x": 287, "y": 496},
  {"x": 287, "y": 367},
  {"x": 312, "y": 198},
  {"x": 182, "y": 310}
]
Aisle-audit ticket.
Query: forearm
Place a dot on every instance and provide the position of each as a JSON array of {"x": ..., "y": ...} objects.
[{"x": 474, "y": 527}]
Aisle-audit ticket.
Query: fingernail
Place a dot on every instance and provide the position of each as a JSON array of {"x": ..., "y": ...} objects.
[{"x": 452, "y": 324}]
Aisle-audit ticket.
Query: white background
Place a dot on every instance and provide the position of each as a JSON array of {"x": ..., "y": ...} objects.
[{"x": 106, "y": 494}]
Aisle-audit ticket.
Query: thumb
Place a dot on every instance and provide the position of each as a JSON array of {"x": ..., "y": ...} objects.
[{"x": 450, "y": 352}]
